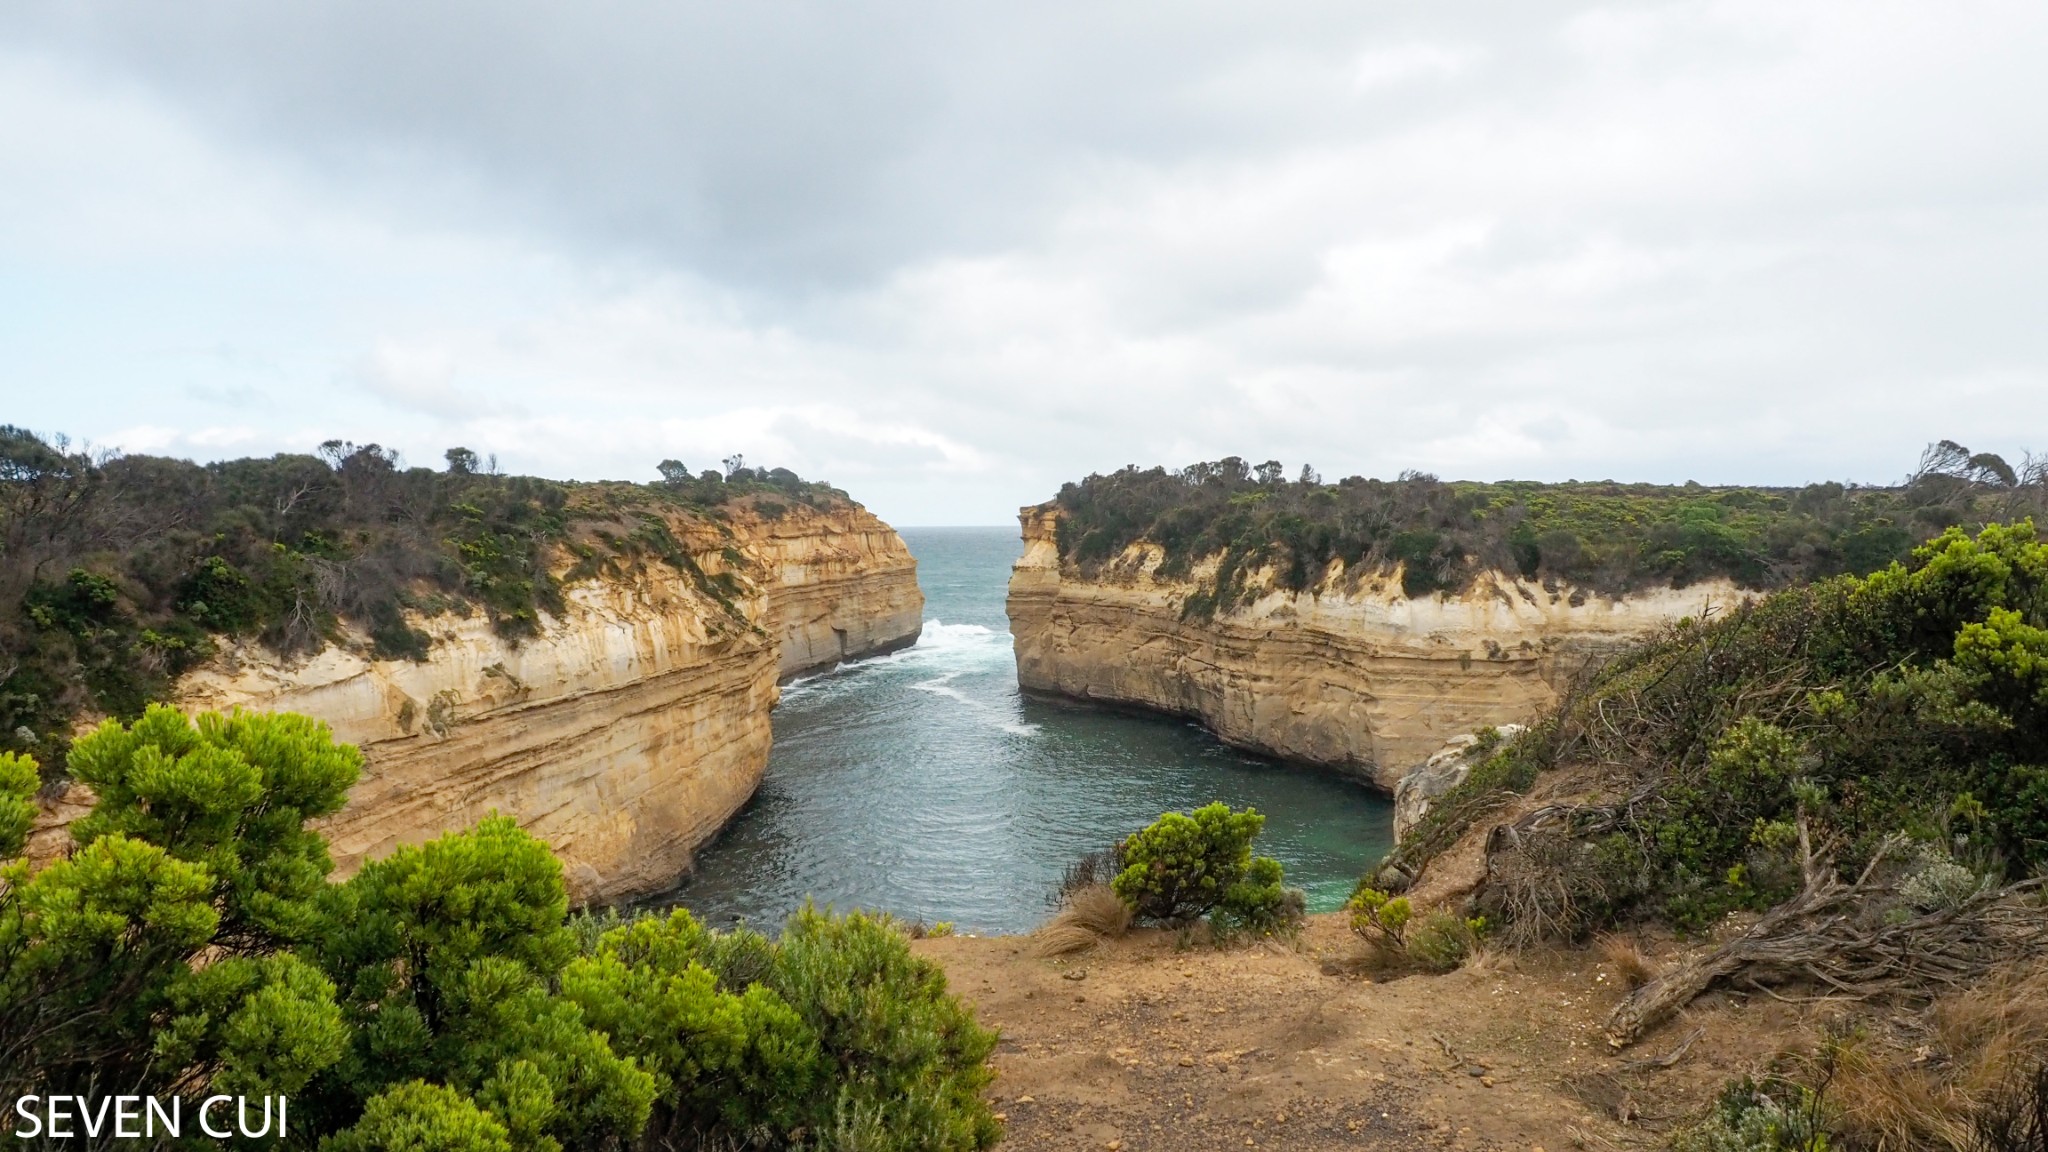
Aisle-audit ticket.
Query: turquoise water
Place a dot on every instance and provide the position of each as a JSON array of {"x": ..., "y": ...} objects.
[{"x": 925, "y": 784}]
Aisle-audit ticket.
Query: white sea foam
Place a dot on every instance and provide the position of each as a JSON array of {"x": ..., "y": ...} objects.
[
  {"x": 949, "y": 650},
  {"x": 955, "y": 650},
  {"x": 939, "y": 687}
]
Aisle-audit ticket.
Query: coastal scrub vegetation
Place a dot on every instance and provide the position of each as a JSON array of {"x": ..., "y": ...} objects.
[
  {"x": 120, "y": 573},
  {"x": 1597, "y": 536},
  {"x": 1181, "y": 868},
  {"x": 1907, "y": 703},
  {"x": 1843, "y": 784},
  {"x": 441, "y": 997},
  {"x": 1403, "y": 942}
]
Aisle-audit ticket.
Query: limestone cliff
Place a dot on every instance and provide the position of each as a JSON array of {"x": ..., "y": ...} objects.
[
  {"x": 1351, "y": 674},
  {"x": 627, "y": 732},
  {"x": 841, "y": 585}
]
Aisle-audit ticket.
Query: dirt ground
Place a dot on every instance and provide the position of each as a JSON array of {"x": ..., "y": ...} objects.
[{"x": 1142, "y": 1045}]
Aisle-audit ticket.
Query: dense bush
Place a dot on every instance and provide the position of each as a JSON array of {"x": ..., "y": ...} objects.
[
  {"x": 1177, "y": 869},
  {"x": 1438, "y": 942},
  {"x": 1910, "y": 702},
  {"x": 1260, "y": 903},
  {"x": 120, "y": 573},
  {"x": 1602, "y": 536},
  {"x": 835, "y": 1031},
  {"x": 440, "y": 998},
  {"x": 18, "y": 783},
  {"x": 196, "y": 848},
  {"x": 1189, "y": 865}
]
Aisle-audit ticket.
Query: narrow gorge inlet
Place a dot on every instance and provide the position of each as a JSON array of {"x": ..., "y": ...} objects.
[{"x": 923, "y": 782}]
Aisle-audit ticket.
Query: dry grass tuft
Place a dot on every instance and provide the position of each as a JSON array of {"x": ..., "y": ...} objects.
[
  {"x": 1886, "y": 1104},
  {"x": 1982, "y": 1040},
  {"x": 1092, "y": 913},
  {"x": 1627, "y": 958},
  {"x": 1486, "y": 959}
]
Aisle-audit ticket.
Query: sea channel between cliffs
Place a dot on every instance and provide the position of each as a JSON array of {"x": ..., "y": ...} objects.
[{"x": 925, "y": 783}]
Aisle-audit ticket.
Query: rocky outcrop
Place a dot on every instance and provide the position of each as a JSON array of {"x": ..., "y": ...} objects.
[
  {"x": 841, "y": 585},
  {"x": 627, "y": 732},
  {"x": 1351, "y": 674},
  {"x": 1427, "y": 782}
]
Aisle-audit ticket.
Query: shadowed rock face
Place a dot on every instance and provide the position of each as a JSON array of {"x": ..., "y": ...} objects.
[
  {"x": 624, "y": 735},
  {"x": 1351, "y": 674}
]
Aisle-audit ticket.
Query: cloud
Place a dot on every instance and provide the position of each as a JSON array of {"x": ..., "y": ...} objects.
[
  {"x": 422, "y": 379},
  {"x": 949, "y": 257},
  {"x": 153, "y": 439}
]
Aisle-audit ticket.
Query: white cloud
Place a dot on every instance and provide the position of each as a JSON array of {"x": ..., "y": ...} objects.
[
  {"x": 950, "y": 262},
  {"x": 1380, "y": 67}
]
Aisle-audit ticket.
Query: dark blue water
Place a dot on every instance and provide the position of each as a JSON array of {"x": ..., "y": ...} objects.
[{"x": 923, "y": 783}]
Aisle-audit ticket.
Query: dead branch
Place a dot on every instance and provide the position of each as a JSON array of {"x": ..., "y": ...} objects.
[{"x": 1831, "y": 933}]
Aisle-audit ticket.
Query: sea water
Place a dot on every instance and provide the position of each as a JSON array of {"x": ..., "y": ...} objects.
[{"x": 923, "y": 783}]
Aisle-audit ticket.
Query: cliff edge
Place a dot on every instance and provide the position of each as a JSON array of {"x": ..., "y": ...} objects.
[
  {"x": 1351, "y": 673},
  {"x": 627, "y": 731}
]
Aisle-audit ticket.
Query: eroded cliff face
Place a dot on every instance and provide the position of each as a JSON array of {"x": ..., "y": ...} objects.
[
  {"x": 1352, "y": 674},
  {"x": 625, "y": 734},
  {"x": 841, "y": 586}
]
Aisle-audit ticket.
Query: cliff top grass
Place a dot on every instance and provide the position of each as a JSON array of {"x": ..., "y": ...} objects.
[
  {"x": 119, "y": 573},
  {"x": 1606, "y": 537}
]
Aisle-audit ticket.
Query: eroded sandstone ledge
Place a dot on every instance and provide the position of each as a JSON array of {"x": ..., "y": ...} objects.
[
  {"x": 1352, "y": 674},
  {"x": 625, "y": 734}
]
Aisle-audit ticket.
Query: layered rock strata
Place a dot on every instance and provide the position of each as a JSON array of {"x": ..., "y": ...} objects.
[
  {"x": 841, "y": 585},
  {"x": 1351, "y": 674},
  {"x": 625, "y": 734}
]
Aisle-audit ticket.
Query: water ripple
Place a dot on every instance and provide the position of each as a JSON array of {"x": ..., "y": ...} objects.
[{"x": 924, "y": 783}]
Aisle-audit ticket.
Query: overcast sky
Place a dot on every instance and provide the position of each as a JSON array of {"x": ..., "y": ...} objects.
[{"x": 947, "y": 255}]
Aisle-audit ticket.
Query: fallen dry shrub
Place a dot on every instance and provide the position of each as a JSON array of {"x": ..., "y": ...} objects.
[
  {"x": 1826, "y": 935},
  {"x": 1091, "y": 913}
]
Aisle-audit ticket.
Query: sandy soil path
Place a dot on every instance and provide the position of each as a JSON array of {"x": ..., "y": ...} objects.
[{"x": 1142, "y": 1045}]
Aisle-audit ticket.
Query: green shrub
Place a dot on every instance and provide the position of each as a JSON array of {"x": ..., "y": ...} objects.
[
  {"x": 836, "y": 1028},
  {"x": 911, "y": 1062},
  {"x": 1181, "y": 866},
  {"x": 1907, "y": 702},
  {"x": 742, "y": 1063},
  {"x": 1380, "y": 917},
  {"x": 18, "y": 783},
  {"x": 158, "y": 951},
  {"x": 1438, "y": 942},
  {"x": 446, "y": 956},
  {"x": 1748, "y": 1117},
  {"x": 1260, "y": 904},
  {"x": 421, "y": 1117},
  {"x": 440, "y": 998},
  {"x": 1441, "y": 941}
]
